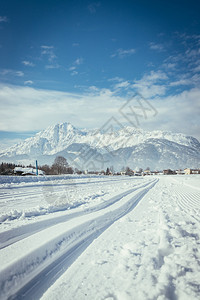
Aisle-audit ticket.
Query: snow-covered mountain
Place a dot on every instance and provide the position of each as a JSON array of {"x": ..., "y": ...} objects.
[{"x": 97, "y": 149}]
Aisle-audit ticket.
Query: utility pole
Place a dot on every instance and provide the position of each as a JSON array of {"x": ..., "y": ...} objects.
[{"x": 36, "y": 168}]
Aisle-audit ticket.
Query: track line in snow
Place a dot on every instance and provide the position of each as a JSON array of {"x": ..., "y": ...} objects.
[
  {"x": 11, "y": 236},
  {"x": 47, "y": 199},
  {"x": 188, "y": 199},
  {"x": 62, "y": 183},
  {"x": 60, "y": 240}
]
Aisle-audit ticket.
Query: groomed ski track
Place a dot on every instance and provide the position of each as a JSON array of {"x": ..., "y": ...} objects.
[
  {"x": 46, "y": 249},
  {"x": 9, "y": 237}
]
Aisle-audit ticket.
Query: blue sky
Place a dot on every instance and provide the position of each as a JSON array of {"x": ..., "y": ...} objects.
[{"x": 80, "y": 61}]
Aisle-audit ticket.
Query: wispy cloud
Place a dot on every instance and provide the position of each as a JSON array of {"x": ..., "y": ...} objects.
[
  {"x": 78, "y": 61},
  {"x": 49, "y": 53},
  {"x": 186, "y": 80},
  {"x": 75, "y": 65},
  {"x": 8, "y": 72},
  {"x": 152, "y": 84},
  {"x": 72, "y": 68},
  {"x": 154, "y": 76},
  {"x": 192, "y": 53},
  {"x": 121, "y": 53},
  {"x": 3, "y": 19},
  {"x": 28, "y": 82},
  {"x": 118, "y": 79},
  {"x": 19, "y": 73},
  {"x": 157, "y": 47},
  {"x": 188, "y": 39},
  {"x": 52, "y": 66},
  {"x": 73, "y": 73},
  {"x": 169, "y": 66},
  {"x": 189, "y": 57},
  {"x": 123, "y": 84},
  {"x": 47, "y": 47},
  {"x": 75, "y": 45},
  {"x": 28, "y": 63},
  {"x": 197, "y": 68},
  {"x": 92, "y": 7}
]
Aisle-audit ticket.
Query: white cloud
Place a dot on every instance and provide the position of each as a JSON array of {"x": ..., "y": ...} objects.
[
  {"x": 3, "y": 19},
  {"x": 28, "y": 82},
  {"x": 52, "y": 66},
  {"x": 192, "y": 53},
  {"x": 19, "y": 73},
  {"x": 118, "y": 79},
  {"x": 123, "y": 84},
  {"x": 48, "y": 51},
  {"x": 72, "y": 68},
  {"x": 47, "y": 47},
  {"x": 151, "y": 85},
  {"x": 78, "y": 61},
  {"x": 121, "y": 53},
  {"x": 28, "y": 63},
  {"x": 75, "y": 44},
  {"x": 197, "y": 69},
  {"x": 75, "y": 65},
  {"x": 187, "y": 79},
  {"x": 30, "y": 109},
  {"x": 154, "y": 76},
  {"x": 157, "y": 47},
  {"x": 74, "y": 73},
  {"x": 8, "y": 72},
  {"x": 178, "y": 113},
  {"x": 169, "y": 66},
  {"x": 180, "y": 82},
  {"x": 150, "y": 91},
  {"x": 93, "y": 88}
]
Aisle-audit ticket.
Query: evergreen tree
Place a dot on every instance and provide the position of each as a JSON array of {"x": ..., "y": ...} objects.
[{"x": 107, "y": 171}]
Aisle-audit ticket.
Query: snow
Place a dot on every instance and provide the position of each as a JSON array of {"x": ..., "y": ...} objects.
[
  {"x": 101, "y": 237},
  {"x": 127, "y": 146},
  {"x": 25, "y": 171}
]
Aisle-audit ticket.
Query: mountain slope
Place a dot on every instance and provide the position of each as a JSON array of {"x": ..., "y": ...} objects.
[{"x": 94, "y": 149}]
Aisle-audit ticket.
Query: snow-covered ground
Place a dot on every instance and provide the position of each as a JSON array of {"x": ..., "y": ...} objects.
[{"x": 100, "y": 237}]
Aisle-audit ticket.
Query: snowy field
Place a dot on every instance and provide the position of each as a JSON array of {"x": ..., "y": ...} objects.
[{"x": 100, "y": 237}]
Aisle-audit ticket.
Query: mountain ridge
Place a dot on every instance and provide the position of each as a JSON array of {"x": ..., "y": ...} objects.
[{"x": 130, "y": 146}]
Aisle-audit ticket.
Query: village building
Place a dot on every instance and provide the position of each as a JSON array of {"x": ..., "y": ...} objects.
[
  {"x": 188, "y": 171},
  {"x": 168, "y": 172},
  {"x": 26, "y": 171}
]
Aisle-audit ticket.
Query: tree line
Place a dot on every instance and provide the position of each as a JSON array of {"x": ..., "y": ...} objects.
[{"x": 60, "y": 166}]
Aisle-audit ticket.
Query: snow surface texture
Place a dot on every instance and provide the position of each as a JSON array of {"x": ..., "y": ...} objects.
[
  {"x": 123, "y": 238},
  {"x": 128, "y": 146}
]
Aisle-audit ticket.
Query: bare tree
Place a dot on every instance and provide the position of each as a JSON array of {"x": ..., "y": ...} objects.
[
  {"x": 46, "y": 169},
  {"x": 60, "y": 165}
]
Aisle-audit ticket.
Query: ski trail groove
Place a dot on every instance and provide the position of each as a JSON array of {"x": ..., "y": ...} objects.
[
  {"x": 9, "y": 237},
  {"x": 56, "y": 247},
  {"x": 188, "y": 199}
]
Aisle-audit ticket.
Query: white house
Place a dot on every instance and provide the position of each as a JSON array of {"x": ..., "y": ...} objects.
[{"x": 26, "y": 171}]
